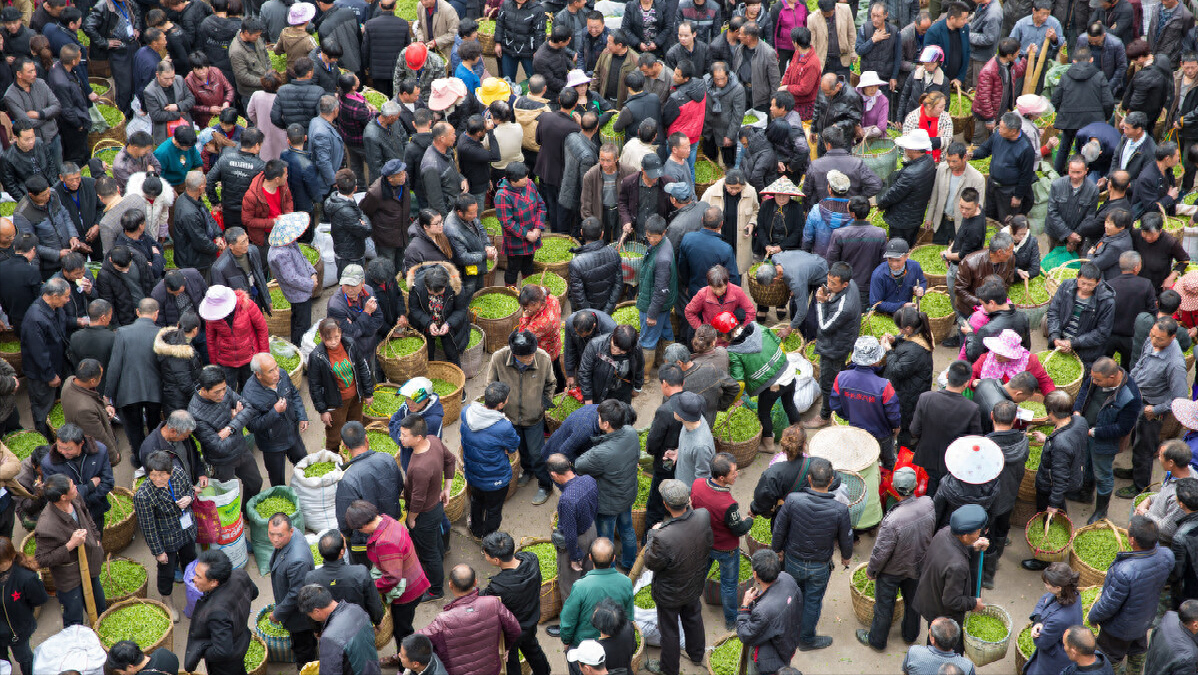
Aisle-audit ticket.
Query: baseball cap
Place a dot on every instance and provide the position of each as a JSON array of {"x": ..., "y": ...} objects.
[
  {"x": 588, "y": 653},
  {"x": 353, "y": 275},
  {"x": 904, "y": 481},
  {"x": 678, "y": 191},
  {"x": 896, "y": 248},
  {"x": 651, "y": 165}
]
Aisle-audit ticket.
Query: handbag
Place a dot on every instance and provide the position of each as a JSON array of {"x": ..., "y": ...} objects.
[{"x": 175, "y": 124}]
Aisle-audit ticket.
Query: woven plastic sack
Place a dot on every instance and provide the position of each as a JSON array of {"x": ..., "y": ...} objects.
[
  {"x": 1040, "y": 189},
  {"x": 74, "y": 648},
  {"x": 257, "y": 524},
  {"x": 218, "y": 513},
  {"x": 646, "y": 619},
  {"x": 318, "y": 495}
]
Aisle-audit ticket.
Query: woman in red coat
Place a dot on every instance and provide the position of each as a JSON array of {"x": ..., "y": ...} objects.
[
  {"x": 236, "y": 330},
  {"x": 802, "y": 74},
  {"x": 1006, "y": 358},
  {"x": 716, "y": 297},
  {"x": 212, "y": 91}
]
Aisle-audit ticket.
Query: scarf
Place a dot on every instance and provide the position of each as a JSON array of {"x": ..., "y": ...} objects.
[
  {"x": 998, "y": 370},
  {"x": 932, "y": 126}
]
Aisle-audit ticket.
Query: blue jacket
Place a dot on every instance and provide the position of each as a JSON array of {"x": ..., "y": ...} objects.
[
  {"x": 328, "y": 150},
  {"x": 91, "y": 463},
  {"x": 303, "y": 179},
  {"x": 820, "y": 223},
  {"x": 938, "y": 35},
  {"x": 1129, "y": 597},
  {"x": 866, "y": 400},
  {"x": 699, "y": 252},
  {"x": 573, "y": 437},
  {"x": 890, "y": 294},
  {"x": 1117, "y": 417},
  {"x": 1049, "y": 657},
  {"x": 43, "y": 336},
  {"x": 274, "y": 431},
  {"x": 488, "y": 437},
  {"x": 433, "y": 414}
]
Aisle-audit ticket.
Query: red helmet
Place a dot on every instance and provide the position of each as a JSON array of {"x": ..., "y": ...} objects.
[{"x": 724, "y": 322}]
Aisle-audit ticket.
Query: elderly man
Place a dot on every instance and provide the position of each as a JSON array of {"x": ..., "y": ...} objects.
[
  {"x": 132, "y": 383},
  {"x": 469, "y": 633},
  {"x": 945, "y": 589},
  {"x": 43, "y": 349},
  {"x": 290, "y": 563},
  {"x": 81, "y": 457},
  {"x": 996, "y": 259},
  {"x": 64, "y": 525},
  {"x": 219, "y": 632},
  {"x": 1012, "y": 169},
  {"x": 383, "y": 139},
  {"x": 1072, "y": 198},
  {"x": 174, "y": 437},
  {"x": 1174, "y": 645},
  {"x": 1160, "y": 377},
  {"x": 940, "y": 656},
  {"x": 83, "y": 405},
  {"x": 837, "y": 105},
  {"x": 528, "y": 372},
  {"x": 439, "y": 175},
  {"x": 356, "y": 309},
  {"x": 952, "y": 177},
  {"x": 904, "y": 202},
  {"x": 280, "y": 416},
  {"x": 221, "y": 416}
]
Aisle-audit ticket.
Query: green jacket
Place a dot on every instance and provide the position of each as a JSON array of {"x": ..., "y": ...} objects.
[
  {"x": 657, "y": 280},
  {"x": 593, "y": 587},
  {"x": 757, "y": 360}
]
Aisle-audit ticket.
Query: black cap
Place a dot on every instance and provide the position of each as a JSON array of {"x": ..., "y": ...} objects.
[
  {"x": 522, "y": 343},
  {"x": 651, "y": 165},
  {"x": 185, "y": 136}
]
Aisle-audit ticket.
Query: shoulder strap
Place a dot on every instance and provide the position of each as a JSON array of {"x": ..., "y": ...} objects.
[{"x": 802, "y": 476}]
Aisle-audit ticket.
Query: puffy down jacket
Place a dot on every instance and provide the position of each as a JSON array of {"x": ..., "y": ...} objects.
[
  {"x": 178, "y": 368},
  {"x": 1129, "y": 595},
  {"x": 595, "y": 277},
  {"x": 323, "y": 382},
  {"x": 465, "y": 635},
  {"x": 235, "y": 345},
  {"x": 487, "y": 439}
]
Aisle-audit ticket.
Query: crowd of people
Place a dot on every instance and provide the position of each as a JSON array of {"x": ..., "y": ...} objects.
[{"x": 138, "y": 284}]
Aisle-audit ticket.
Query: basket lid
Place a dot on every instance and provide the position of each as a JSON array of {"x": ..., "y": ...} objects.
[{"x": 848, "y": 448}]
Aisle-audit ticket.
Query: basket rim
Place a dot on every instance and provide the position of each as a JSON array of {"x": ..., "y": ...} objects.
[
  {"x": 1040, "y": 515},
  {"x": 1002, "y": 614},
  {"x": 129, "y": 602},
  {"x": 1105, "y": 523},
  {"x": 500, "y": 290}
]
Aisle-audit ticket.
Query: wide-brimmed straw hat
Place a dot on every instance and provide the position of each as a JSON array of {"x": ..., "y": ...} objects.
[{"x": 974, "y": 459}]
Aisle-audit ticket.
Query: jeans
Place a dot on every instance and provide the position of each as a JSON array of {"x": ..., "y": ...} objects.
[
  {"x": 486, "y": 510},
  {"x": 607, "y": 526},
  {"x": 137, "y": 418},
  {"x": 765, "y": 408},
  {"x": 812, "y": 578},
  {"x": 651, "y": 334},
  {"x": 532, "y": 439},
  {"x": 690, "y": 161},
  {"x": 886, "y": 588},
  {"x": 1101, "y": 470},
  {"x": 22, "y": 655},
  {"x": 729, "y": 581},
  {"x": 509, "y": 64},
  {"x": 527, "y": 645},
  {"x": 166, "y": 570},
  {"x": 73, "y": 604},
  {"x": 691, "y": 615},
  {"x": 430, "y": 547},
  {"x": 276, "y": 461},
  {"x": 655, "y": 509}
]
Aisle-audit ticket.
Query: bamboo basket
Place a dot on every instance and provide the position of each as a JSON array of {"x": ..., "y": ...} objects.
[
  {"x": 1090, "y": 576},
  {"x": 261, "y": 669},
  {"x": 1037, "y": 522},
  {"x": 856, "y": 486},
  {"x": 551, "y": 604},
  {"x": 385, "y": 630},
  {"x": 631, "y": 267},
  {"x": 700, "y": 188},
  {"x": 538, "y": 280},
  {"x": 496, "y": 239},
  {"x": 934, "y": 280},
  {"x": 297, "y": 375},
  {"x": 474, "y": 358},
  {"x": 707, "y": 654},
  {"x": 452, "y": 402},
  {"x": 638, "y": 657},
  {"x": 1022, "y": 512},
  {"x": 744, "y": 451},
  {"x": 44, "y": 572},
  {"x": 879, "y": 154},
  {"x": 863, "y": 605},
  {"x": 139, "y": 592},
  {"x": 774, "y": 295},
  {"x": 368, "y": 419},
  {"x": 487, "y": 42},
  {"x": 116, "y": 133},
  {"x": 1052, "y": 278},
  {"x": 638, "y": 522},
  {"x": 278, "y": 322},
  {"x": 941, "y": 325},
  {"x": 403, "y": 368},
  {"x": 496, "y": 331},
  {"x": 167, "y": 641},
  {"x": 13, "y": 358},
  {"x": 1020, "y": 659},
  {"x": 1070, "y": 387},
  {"x": 106, "y": 145},
  {"x": 963, "y": 125},
  {"x": 711, "y": 587},
  {"x": 1027, "y": 486},
  {"x": 616, "y": 139},
  {"x": 1150, "y": 491},
  {"x": 558, "y": 268},
  {"x": 278, "y": 649},
  {"x": 982, "y": 652},
  {"x": 514, "y": 460},
  {"x": 117, "y": 536},
  {"x": 553, "y": 424},
  {"x": 95, "y": 81},
  {"x": 456, "y": 508},
  {"x": 53, "y": 427},
  {"x": 319, "y": 268}
]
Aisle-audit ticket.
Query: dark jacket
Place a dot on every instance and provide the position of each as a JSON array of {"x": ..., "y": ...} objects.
[
  {"x": 20, "y": 283},
  {"x": 1014, "y": 446},
  {"x": 178, "y": 368},
  {"x": 355, "y": 323},
  {"x": 520, "y": 29},
  {"x": 1133, "y": 294},
  {"x": 638, "y": 108},
  {"x": 21, "y": 593},
  {"x": 1149, "y": 188},
  {"x": 595, "y": 278},
  {"x": 839, "y": 323},
  {"x": 296, "y": 103},
  {"x": 350, "y": 226},
  {"x": 43, "y": 342},
  {"x": 633, "y": 25},
  {"x": 190, "y": 462},
  {"x": 767, "y": 625},
  {"x": 219, "y": 632},
  {"x": 554, "y": 64},
  {"x": 1084, "y": 96},
  {"x": 1066, "y": 211},
  {"x": 1172, "y": 35},
  {"x": 782, "y": 227},
  {"x": 226, "y": 272},
  {"x": 194, "y": 287},
  {"x": 1117, "y": 417},
  {"x": 940, "y": 418},
  {"x": 518, "y": 589},
  {"x": 303, "y": 179},
  {"x": 387, "y": 207},
  {"x": 91, "y": 463},
  {"x": 910, "y": 190},
  {"x": 909, "y": 369},
  {"x": 384, "y": 37},
  {"x": 1131, "y": 591},
  {"x": 455, "y": 310},
  {"x": 101, "y": 24},
  {"x": 552, "y": 130},
  {"x": 725, "y": 108},
  {"x": 843, "y": 110},
  {"x": 274, "y": 431},
  {"x": 194, "y": 234},
  {"x": 1173, "y": 649},
  {"x": 1003, "y": 319},
  {"x": 1049, "y": 657},
  {"x": 440, "y": 179},
  {"x": 210, "y": 418},
  {"x": 1151, "y": 91},
  {"x": 289, "y": 568},
  {"x": 1094, "y": 325},
  {"x": 953, "y": 493},
  {"x": 374, "y": 477},
  {"x": 1062, "y": 461},
  {"x": 944, "y": 584},
  {"x": 677, "y": 552},
  {"x": 602, "y": 375},
  {"x": 323, "y": 381},
  {"x": 760, "y": 160},
  {"x": 612, "y": 462},
  {"x": 810, "y": 525},
  {"x": 234, "y": 171},
  {"x": 69, "y": 91},
  {"x": 349, "y": 583},
  {"x": 903, "y": 539},
  {"x": 469, "y": 242}
]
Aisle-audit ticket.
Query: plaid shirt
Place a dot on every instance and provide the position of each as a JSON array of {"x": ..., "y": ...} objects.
[
  {"x": 352, "y": 119},
  {"x": 546, "y": 325},
  {"x": 520, "y": 210},
  {"x": 158, "y": 514}
]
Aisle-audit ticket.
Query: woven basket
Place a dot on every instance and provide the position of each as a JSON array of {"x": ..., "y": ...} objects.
[
  {"x": 116, "y": 133},
  {"x": 855, "y": 485},
  {"x": 319, "y": 267},
  {"x": 1037, "y": 522},
  {"x": 1052, "y": 278},
  {"x": 496, "y": 241},
  {"x": 13, "y": 358},
  {"x": 167, "y": 641},
  {"x": 1151, "y": 491},
  {"x": 880, "y": 155},
  {"x": 139, "y": 592},
  {"x": 638, "y": 657},
  {"x": 403, "y": 368},
  {"x": 385, "y": 630},
  {"x": 744, "y": 451},
  {"x": 473, "y": 358},
  {"x": 297, "y": 375},
  {"x": 1021, "y": 513},
  {"x": 278, "y": 322},
  {"x": 700, "y": 188},
  {"x": 551, "y": 603},
  {"x": 278, "y": 649},
  {"x": 863, "y": 605},
  {"x": 1070, "y": 387},
  {"x": 456, "y": 508},
  {"x": 95, "y": 81},
  {"x": 934, "y": 280},
  {"x": 538, "y": 279},
  {"x": 487, "y": 42},
  {"x": 452, "y": 402},
  {"x": 558, "y": 268},
  {"x": 261, "y": 669},
  {"x": 963, "y": 125},
  {"x": 982, "y": 652},
  {"x": 514, "y": 460},
  {"x": 368, "y": 419},
  {"x": 711, "y": 587},
  {"x": 496, "y": 331},
  {"x": 631, "y": 267},
  {"x": 638, "y": 523},
  {"x": 707, "y": 654},
  {"x": 616, "y": 139},
  {"x": 105, "y": 146},
  {"x": 941, "y": 325},
  {"x": 774, "y": 295},
  {"x": 1090, "y": 576},
  {"x": 117, "y": 536},
  {"x": 552, "y": 424},
  {"x": 44, "y": 572},
  {"x": 1027, "y": 486}
]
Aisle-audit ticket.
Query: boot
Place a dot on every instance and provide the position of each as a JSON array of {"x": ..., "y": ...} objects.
[
  {"x": 989, "y": 568},
  {"x": 1083, "y": 495},
  {"x": 767, "y": 445},
  {"x": 650, "y": 356},
  {"x": 1101, "y": 502},
  {"x": 171, "y": 603},
  {"x": 1135, "y": 664}
]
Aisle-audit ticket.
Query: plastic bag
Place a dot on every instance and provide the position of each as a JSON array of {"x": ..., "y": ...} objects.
[
  {"x": 308, "y": 342},
  {"x": 218, "y": 512},
  {"x": 318, "y": 495},
  {"x": 139, "y": 122},
  {"x": 1056, "y": 257},
  {"x": 73, "y": 648},
  {"x": 193, "y": 593},
  {"x": 259, "y": 539},
  {"x": 322, "y": 241},
  {"x": 1040, "y": 189},
  {"x": 646, "y": 619},
  {"x": 905, "y": 458},
  {"x": 806, "y": 388},
  {"x": 313, "y": 540},
  {"x": 236, "y": 552}
]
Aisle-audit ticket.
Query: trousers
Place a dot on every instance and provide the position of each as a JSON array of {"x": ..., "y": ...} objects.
[
  {"x": 430, "y": 547},
  {"x": 691, "y": 616}
]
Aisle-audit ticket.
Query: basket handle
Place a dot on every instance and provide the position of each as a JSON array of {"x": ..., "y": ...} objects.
[{"x": 1114, "y": 531}]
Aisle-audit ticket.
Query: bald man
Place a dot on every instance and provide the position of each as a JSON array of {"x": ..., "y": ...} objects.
[
  {"x": 603, "y": 581},
  {"x": 8, "y": 232}
]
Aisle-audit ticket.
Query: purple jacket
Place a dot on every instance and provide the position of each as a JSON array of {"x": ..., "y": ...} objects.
[{"x": 866, "y": 400}]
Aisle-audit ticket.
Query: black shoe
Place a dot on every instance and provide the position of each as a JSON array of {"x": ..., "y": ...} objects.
[
  {"x": 820, "y": 642},
  {"x": 1033, "y": 565},
  {"x": 429, "y": 597},
  {"x": 988, "y": 582},
  {"x": 1083, "y": 496},
  {"x": 952, "y": 341},
  {"x": 863, "y": 638},
  {"x": 1120, "y": 472},
  {"x": 554, "y": 630}
]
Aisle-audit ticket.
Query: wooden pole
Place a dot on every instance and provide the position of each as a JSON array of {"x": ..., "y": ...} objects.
[
  {"x": 85, "y": 578},
  {"x": 1031, "y": 79}
]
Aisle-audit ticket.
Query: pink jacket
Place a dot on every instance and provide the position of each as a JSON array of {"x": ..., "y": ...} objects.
[
  {"x": 705, "y": 306},
  {"x": 391, "y": 551},
  {"x": 466, "y": 634}
]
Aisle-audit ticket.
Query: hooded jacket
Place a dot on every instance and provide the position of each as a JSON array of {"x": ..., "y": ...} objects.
[
  {"x": 91, "y": 463},
  {"x": 760, "y": 160},
  {"x": 595, "y": 277},
  {"x": 350, "y": 226},
  {"x": 613, "y": 463},
  {"x": 909, "y": 369},
  {"x": 519, "y": 588},
  {"x": 1014, "y": 446},
  {"x": 234, "y": 345},
  {"x": 488, "y": 437},
  {"x": 1084, "y": 96},
  {"x": 829, "y": 215},
  {"x": 683, "y": 112},
  {"x": 178, "y": 368}
]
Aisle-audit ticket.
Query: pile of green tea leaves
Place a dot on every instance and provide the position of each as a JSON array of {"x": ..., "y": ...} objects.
[
  {"x": 495, "y": 306},
  {"x": 492, "y": 226},
  {"x": 380, "y": 441},
  {"x": 554, "y": 282},
  {"x": 643, "y": 483},
  {"x": 1175, "y": 224},
  {"x": 287, "y": 363},
  {"x": 318, "y": 469},
  {"x": 865, "y": 585},
  {"x": 1037, "y": 408},
  {"x": 1141, "y": 497},
  {"x": 736, "y": 425},
  {"x": 1064, "y": 271},
  {"x": 1059, "y": 532},
  {"x": 142, "y": 623},
  {"x": 878, "y": 325},
  {"x": 706, "y": 172},
  {"x": 644, "y": 598},
  {"x": 30, "y": 547},
  {"x": 809, "y": 352},
  {"x": 400, "y": 347},
  {"x": 315, "y": 548},
  {"x": 254, "y": 656},
  {"x": 1097, "y": 547},
  {"x": 986, "y": 628},
  {"x": 982, "y": 165},
  {"x": 792, "y": 343},
  {"x": 56, "y": 418},
  {"x": 10, "y": 347},
  {"x": 761, "y": 530},
  {"x": 374, "y": 98},
  {"x": 270, "y": 628},
  {"x": 278, "y": 301},
  {"x": 1062, "y": 368},
  {"x": 961, "y": 106},
  {"x": 121, "y": 508},
  {"x": 744, "y": 572},
  {"x": 486, "y": 26},
  {"x": 386, "y": 401},
  {"x": 23, "y": 442},
  {"x": 278, "y": 62},
  {"x": 1089, "y": 596},
  {"x": 554, "y": 250},
  {"x": 876, "y": 217},
  {"x": 310, "y": 254},
  {"x": 1018, "y": 294},
  {"x": 928, "y": 257},
  {"x": 627, "y": 316},
  {"x": 936, "y": 304},
  {"x": 1033, "y": 458},
  {"x": 7, "y": 209},
  {"x": 458, "y": 484},
  {"x": 563, "y": 406},
  {"x": 443, "y": 388},
  {"x": 749, "y": 119},
  {"x": 608, "y": 131},
  {"x": 547, "y": 557},
  {"x": 275, "y": 504},
  {"x": 1026, "y": 645},
  {"x": 725, "y": 658},
  {"x": 112, "y": 115},
  {"x": 168, "y": 258},
  {"x": 631, "y": 254},
  {"x": 121, "y": 577}
]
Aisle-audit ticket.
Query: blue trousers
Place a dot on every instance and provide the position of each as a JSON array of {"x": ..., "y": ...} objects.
[
  {"x": 73, "y": 604},
  {"x": 651, "y": 334},
  {"x": 729, "y": 581},
  {"x": 508, "y": 65},
  {"x": 606, "y": 526},
  {"x": 812, "y": 578}
]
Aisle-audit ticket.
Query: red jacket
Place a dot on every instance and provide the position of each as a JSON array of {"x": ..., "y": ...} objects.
[
  {"x": 685, "y": 109},
  {"x": 465, "y": 635},
  {"x": 1034, "y": 367},
  {"x": 802, "y": 81},
  {"x": 255, "y": 212},
  {"x": 989, "y": 93},
  {"x": 705, "y": 306},
  {"x": 235, "y": 346}
]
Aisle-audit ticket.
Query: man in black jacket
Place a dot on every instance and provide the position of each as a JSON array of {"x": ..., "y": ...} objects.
[
  {"x": 940, "y": 418},
  {"x": 1084, "y": 96},
  {"x": 471, "y": 245},
  {"x": 179, "y": 291},
  {"x": 296, "y": 101},
  {"x": 77, "y": 193},
  {"x": 419, "y": 142},
  {"x": 768, "y": 613},
  {"x": 1087, "y": 336},
  {"x": 579, "y": 328},
  {"x": 1134, "y": 295},
  {"x": 20, "y": 279},
  {"x": 838, "y": 319},
  {"x": 369, "y": 475},
  {"x": 290, "y": 563},
  {"x": 198, "y": 239},
  {"x": 594, "y": 274},
  {"x": 439, "y": 176},
  {"x": 346, "y": 582},
  {"x": 663, "y": 437},
  {"x": 233, "y": 171},
  {"x": 1012, "y": 167},
  {"x": 905, "y": 201},
  {"x": 475, "y": 157},
  {"x": 383, "y": 38},
  {"x": 221, "y": 417},
  {"x": 74, "y": 120},
  {"x": 945, "y": 589},
  {"x": 1002, "y": 316},
  {"x": 228, "y": 270},
  {"x": 552, "y": 130},
  {"x": 518, "y": 586},
  {"x": 1062, "y": 461},
  {"x": 640, "y": 105},
  {"x": 219, "y": 632}
]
